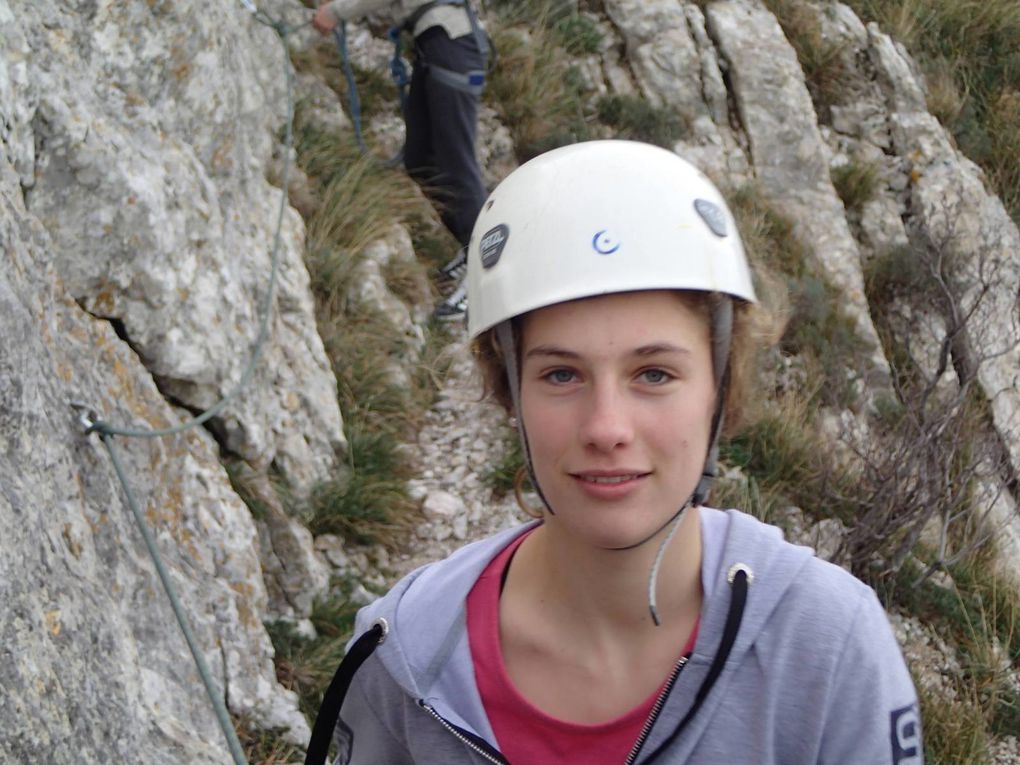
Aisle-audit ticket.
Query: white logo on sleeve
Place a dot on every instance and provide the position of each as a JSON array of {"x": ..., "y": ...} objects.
[{"x": 905, "y": 734}]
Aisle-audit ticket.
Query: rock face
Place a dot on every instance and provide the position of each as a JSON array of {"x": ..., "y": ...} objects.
[
  {"x": 94, "y": 667},
  {"x": 137, "y": 224},
  {"x": 764, "y": 128},
  {"x": 141, "y": 137}
]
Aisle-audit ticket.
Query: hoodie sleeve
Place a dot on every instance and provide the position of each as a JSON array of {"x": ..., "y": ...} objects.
[
  {"x": 345, "y": 10},
  {"x": 873, "y": 716}
]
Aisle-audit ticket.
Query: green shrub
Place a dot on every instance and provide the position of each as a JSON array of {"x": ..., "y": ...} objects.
[
  {"x": 578, "y": 34},
  {"x": 500, "y": 477},
  {"x": 855, "y": 183},
  {"x": 306, "y": 666},
  {"x": 636, "y": 119}
]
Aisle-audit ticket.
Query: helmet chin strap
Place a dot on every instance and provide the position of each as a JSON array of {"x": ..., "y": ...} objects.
[
  {"x": 505, "y": 336},
  {"x": 722, "y": 329}
]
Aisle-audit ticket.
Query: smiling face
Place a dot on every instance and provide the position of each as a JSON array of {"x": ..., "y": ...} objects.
[{"x": 617, "y": 396}]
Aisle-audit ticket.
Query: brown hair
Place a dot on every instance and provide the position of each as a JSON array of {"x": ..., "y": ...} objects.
[{"x": 753, "y": 329}]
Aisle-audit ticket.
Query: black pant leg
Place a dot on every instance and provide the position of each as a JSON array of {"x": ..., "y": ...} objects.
[
  {"x": 449, "y": 168},
  {"x": 418, "y": 159}
]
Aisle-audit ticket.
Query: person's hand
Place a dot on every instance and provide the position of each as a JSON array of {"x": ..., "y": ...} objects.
[{"x": 324, "y": 20}]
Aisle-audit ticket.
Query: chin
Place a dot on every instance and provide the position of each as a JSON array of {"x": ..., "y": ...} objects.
[{"x": 608, "y": 533}]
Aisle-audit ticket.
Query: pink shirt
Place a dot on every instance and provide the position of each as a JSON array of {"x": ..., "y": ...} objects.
[{"x": 524, "y": 733}]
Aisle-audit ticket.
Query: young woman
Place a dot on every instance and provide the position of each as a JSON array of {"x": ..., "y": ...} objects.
[{"x": 611, "y": 306}]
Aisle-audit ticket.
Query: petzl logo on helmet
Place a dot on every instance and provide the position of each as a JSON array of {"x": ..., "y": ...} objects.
[
  {"x": 604, "y": 244},
  {"x": 491, "y": 247},
  {"x": 712, "y": 215}
]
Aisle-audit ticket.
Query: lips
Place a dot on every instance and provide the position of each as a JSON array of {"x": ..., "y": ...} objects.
[
  {"x": 608, "y": 479},
  {"x": 609, "y": 485}
]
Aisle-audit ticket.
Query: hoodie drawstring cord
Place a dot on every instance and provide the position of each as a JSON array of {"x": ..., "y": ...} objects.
[{"x": 333, "y": 699}]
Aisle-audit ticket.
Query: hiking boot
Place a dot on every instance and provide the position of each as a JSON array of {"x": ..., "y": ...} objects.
[
  {"x": 454, "y": 305},
  {"x": 456, "y": 269}
]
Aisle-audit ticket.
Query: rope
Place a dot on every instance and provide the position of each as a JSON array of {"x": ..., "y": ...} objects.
[
  {"x": 107, "y": 431},
  {"x": 398, "y": 73},
  {"x": 222, "y": 716},
  {"x": 354, "y": 101}
]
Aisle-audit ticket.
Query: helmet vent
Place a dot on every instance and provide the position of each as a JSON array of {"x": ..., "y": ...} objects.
[{"x": 713, "y": 216}]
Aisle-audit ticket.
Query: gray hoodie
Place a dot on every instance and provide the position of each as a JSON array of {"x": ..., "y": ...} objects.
[{"x": 814, "y": 674}]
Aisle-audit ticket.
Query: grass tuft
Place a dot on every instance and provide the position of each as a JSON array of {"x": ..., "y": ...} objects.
[
  {"x": 306, "y": 666},
  {"x": 532, "y": 87},
  {"x": 634, "y": 118},
  {"x": 500, "y": 477},
  {"x": 370, "y": 504},
  {"x": 954, "y": 730},
  {"x": 266, "y": 747},
  {"x": 980, "y": 615},
  {"x": 578, "y": 34},
  {"x": 381, "y": 399},
  {"x": 779, "y": 452},
  {"x": 817, "y": 330},
  {"x": 821, "y": 59},
  {"x": 856, "y": 184}
]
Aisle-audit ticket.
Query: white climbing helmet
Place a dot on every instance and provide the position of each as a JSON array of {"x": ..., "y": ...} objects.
[{"x": 595, "y": 218}]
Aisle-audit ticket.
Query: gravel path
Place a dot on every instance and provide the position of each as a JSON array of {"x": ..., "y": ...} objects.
[{"x": 463, "y": 438}]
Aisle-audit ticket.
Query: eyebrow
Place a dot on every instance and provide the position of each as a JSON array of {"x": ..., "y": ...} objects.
[{"x": 644, "y": 350}]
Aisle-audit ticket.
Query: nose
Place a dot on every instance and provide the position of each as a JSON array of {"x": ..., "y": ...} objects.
[{"x": 606, "y": 422}]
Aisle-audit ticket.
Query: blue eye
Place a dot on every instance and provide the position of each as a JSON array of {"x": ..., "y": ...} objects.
[
  {"x": 560, "y": 376},
  {"x": 656, "y": 376}
]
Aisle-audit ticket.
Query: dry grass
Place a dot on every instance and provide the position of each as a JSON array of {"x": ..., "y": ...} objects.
[
  {"x": 821, "y": 59},
  {"x": 970, "y": 52},
  {"x": 266, "y": 747},
  {"x": 980, "y": 616},
  {"x": 532, "y": 86},
  {"x": 856, "y": 183},
  {"x": 817, "y": 330},
  {"x": 954, "y": 731}
]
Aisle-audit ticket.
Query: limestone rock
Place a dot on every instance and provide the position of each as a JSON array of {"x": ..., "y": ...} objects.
[
  {"x": 151, "y": 128},
  {"x": 789, "y": 157},
  {"x": 95, "y": 668},
  {"x": 442, "y": 506}
]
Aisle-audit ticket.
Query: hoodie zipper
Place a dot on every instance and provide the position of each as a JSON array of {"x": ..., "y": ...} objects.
[
  {"x": 470, "y": 744},
  {"x": 656, "y": 708}
]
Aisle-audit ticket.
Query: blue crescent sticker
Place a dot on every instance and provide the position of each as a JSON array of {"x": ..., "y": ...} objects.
[{"x": 603, "y": 244}]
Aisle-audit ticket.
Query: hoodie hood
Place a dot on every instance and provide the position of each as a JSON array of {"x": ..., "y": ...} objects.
[{"x": 426, "y": 651}]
